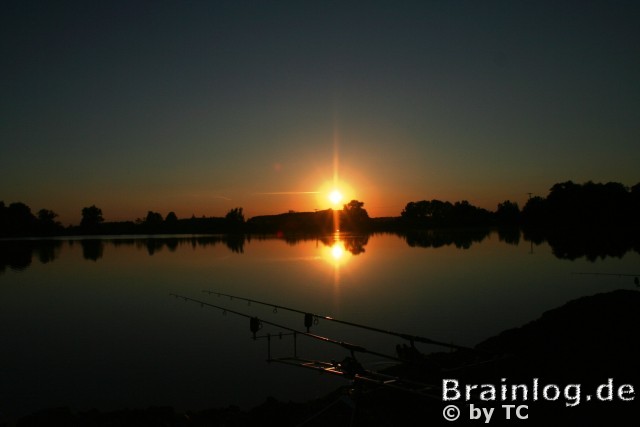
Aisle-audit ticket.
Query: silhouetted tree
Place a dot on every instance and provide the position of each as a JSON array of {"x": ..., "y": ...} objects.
[
  {"x": 534, "y": 211},
  {"x": 4, "y": 220},
  {"x": 46, "y": 216},
  {"x": 153, "y": 219},
  {"x": 429, "y": 213},
  {"x": 17, "y": 220},
  {"x": 571, "y": 205},
  {"x": 436, "y": 213},
  {"x": 47, "y": 223},
  {"x": 171, "y": 218},
  {"x": 467, "y": 215},
  {"x": 355, "y": 210},
  {"x": 20, "y": 220},
  {"x": 3, "y": 217},
  {"x": 91, "y": 218},
  {"x": 354, "y": 216},
  {"x": 635, "y": 201},
  {"x": 508, "y": 213},
  {"x": 235, "y": 218}
]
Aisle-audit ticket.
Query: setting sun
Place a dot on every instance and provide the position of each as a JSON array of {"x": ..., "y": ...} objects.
[
  {"x": 335, "y": 197},
  {"x": 332, "y": 194}
]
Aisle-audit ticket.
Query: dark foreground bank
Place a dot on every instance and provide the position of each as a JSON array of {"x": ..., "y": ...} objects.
[{"x": 579, "y": 364}]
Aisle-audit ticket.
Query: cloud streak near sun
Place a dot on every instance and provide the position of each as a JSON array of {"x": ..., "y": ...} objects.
[{"x": 277, "y": 193}]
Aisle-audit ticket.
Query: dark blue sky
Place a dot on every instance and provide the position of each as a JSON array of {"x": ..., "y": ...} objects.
[{"x": 198, "y": 107}]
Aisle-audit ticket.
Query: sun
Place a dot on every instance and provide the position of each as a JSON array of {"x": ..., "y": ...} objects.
[
  {"x": 333, "y": 194},
  {"x": 335, "y": 197}
]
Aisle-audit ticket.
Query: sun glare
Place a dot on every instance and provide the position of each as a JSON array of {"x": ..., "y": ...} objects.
[
  {"x": 335, "y": 197},
  {"x": 333, "y": 194}
]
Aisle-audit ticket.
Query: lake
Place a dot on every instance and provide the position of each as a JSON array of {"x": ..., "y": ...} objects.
[{"x": 89, "y": 322}]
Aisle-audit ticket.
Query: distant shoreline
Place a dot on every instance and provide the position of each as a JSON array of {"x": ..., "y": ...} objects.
[{"x": 568, "y": 206}]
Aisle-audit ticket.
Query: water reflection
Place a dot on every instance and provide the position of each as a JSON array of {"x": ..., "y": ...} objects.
[
  {"x": 592, "y": 244},
  {"x": 356, "y": 244},
  {"x": 17, "y": 255},
  {"x": 335, "y": 251},
  {"x": 510, "y": 236},
  {"x": 92, "y": 352},
  {"x": 462, "y": 239},
  {"x": 92, "y": 249},
  {"x": 340, "y": 244},
  {"x": 153, "y": 245}
]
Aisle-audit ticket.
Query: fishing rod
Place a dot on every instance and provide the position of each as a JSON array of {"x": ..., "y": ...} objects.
[
  {"x": 310, "y": 318},
  {"x": 255, "y": 324},
  {"x": 349, "y": 368}
]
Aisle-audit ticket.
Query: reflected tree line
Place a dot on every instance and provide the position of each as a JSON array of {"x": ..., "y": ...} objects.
[
  {"x": 19, "y": 254},
  {"x": 353, "y": 243},
  {"x": 461, "y": 239},
  {"x": 589, "y": 220},
  {"x": 94, "y": 248}
]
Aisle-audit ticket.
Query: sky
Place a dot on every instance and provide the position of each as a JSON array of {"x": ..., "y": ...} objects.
[{"x": 198, "y": 107}]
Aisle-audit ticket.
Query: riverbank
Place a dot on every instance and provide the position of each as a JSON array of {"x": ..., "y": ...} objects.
[{"x": 590, "y": 342}]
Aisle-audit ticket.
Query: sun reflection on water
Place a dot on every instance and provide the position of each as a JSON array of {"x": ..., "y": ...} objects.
[{"x": 335, "y": 252}]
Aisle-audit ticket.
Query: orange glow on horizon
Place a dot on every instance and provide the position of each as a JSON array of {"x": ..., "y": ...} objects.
[{"x": 334, "y": 195}]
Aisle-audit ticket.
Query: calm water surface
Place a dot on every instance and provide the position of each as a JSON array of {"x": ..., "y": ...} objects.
[{"x": 89, "y": 322}]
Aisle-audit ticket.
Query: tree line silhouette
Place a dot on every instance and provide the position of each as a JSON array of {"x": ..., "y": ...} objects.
[
  {"x": 571, "y": 205},
  {"x": 18, "y": 254},
  {"x": 17, "y": 220},
  {"x": 568, "y": 206}
]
